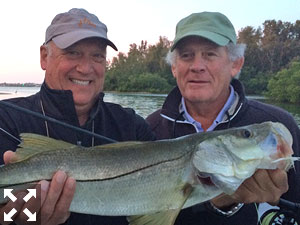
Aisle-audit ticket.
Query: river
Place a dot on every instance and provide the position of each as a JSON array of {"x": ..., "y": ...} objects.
[{"x": 143, "y": 104}]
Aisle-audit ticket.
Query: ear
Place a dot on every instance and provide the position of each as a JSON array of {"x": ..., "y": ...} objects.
[
  {"x": 237, "y": 66},
  {"x": 43, "y": 57},
  {"x": 173, "y": 68}
]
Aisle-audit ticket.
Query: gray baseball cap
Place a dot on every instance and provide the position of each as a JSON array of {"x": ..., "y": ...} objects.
[
  {"x": 76, "y": 24},
  {"x": 213, "y": 26}
]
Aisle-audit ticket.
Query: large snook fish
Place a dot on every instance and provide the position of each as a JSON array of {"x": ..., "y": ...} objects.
[{"x": 152, "y": 181}]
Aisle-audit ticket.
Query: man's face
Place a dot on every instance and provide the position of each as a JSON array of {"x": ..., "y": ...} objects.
[
  {"x": 79, "y": 68},
  {"x": 203, "y": 71}
]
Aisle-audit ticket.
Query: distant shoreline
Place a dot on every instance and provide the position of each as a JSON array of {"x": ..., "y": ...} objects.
[{"x": 19, "y": 85}]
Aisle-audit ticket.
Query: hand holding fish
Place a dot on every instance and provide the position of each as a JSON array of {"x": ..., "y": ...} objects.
[
  {"x": 262, "y": 186},
  {"x": 52, "y": 204}
]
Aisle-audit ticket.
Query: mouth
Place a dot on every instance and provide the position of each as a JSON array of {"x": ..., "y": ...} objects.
[
  {"x": 198, "y": 82},
  {"x": 81, "y": 82},
  {"x": 205, "y": 180}
]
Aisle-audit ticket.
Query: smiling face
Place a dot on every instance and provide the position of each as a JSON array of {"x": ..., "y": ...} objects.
[
  {"x": 203, "y": 71},
  {"x": 79, "y": 68}
]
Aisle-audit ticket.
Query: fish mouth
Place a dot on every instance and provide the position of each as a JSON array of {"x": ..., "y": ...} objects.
[
  {"x": 284, "y": 150},
  {"x": 205, "y": 180}
]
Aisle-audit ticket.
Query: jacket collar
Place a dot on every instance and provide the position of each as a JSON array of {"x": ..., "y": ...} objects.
[{"x": 60, "y": 104}]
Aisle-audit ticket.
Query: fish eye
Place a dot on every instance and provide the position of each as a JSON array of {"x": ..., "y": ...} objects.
[{"x": 246, "y": 133}]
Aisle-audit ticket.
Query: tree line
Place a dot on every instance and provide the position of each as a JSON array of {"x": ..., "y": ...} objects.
[{"x": 271, "y": 68}]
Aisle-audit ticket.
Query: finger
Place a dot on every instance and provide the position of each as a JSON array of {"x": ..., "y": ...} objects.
[
  {"x": 17, "y": 205},
  {"x": 61, "y": 212},
  {"x": 53, "y": 194},
  {"x": 280, "y": 185},
  {"x": 259, "y": 186},
  {"x": 243, "y": 194},
  {"x": 8, "y": 156},
  {"x": 279, "y": 179},
  {"x": 44, "y": 187},
  {"x": 272, "y": 184},
  {"x": 260, "y": 182},
  {"x": 34, "y": 203}
]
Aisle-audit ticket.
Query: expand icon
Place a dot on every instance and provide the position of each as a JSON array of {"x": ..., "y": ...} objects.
[{"x": 8, "y": 216}]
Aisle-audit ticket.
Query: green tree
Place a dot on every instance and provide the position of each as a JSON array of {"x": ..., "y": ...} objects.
[
  {"x": 268, "y": 51},
  {"x": 285, "y": 85},
  {"x": 148, "y": 82},
  {"x": 142, "y": 63}
]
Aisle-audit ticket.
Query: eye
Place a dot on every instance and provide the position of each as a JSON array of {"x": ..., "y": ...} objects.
[
  {"x": 246, "y": 133},
  {"x": 99, "y": 57},
  {"x": 72, "y": 53},
  {"x": 209, "y": 54},
  {"x": 186, "y": 55}
]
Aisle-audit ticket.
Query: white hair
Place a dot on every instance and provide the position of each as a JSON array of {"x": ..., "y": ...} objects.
[{"x": 234, "y": 51}]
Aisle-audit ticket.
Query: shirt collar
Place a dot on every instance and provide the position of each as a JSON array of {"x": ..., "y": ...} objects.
[{"x": 220, "y": 117}]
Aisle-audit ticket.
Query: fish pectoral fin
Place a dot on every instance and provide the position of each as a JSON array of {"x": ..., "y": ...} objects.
[
  {"x": 160, "y": 218},
  {"x": 33, "y": 144}
]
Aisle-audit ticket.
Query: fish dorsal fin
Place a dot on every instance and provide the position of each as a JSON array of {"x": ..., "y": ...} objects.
[
  {"x": 33, "y": 144},
  {"x": 164, "y": 217}
]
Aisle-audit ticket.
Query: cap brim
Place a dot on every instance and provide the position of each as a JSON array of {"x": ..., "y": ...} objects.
[
  {"x": 66, "y": 40},
  {"x": 211, "y": 36}
]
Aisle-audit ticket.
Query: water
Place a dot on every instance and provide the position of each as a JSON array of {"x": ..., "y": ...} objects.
[{"x": 143, "y": 104}]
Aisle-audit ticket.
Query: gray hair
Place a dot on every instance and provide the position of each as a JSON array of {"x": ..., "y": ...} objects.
[
  {"x": 234, "y": 51},
  {"x": 48, "y": 48}
]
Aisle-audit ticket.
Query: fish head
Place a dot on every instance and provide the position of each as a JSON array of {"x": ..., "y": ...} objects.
[{"x": 228, "y": 157}]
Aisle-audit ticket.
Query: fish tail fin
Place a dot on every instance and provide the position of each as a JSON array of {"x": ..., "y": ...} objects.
[{"x": 33, "y": 144}]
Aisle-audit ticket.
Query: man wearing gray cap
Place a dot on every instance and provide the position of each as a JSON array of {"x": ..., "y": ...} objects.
[
  {"x": 205, "y": 59},
  {"x": 74, "y": 59}
]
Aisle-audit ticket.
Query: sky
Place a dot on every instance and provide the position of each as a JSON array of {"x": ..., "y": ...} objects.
[{"x": 23, "y": 24}]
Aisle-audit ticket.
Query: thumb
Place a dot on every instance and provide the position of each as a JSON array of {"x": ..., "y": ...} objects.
[{"x": 8, "y": 156}]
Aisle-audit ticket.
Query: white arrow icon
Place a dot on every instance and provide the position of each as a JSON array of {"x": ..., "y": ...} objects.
[
  {"x": 31, "y": 193},
  {"x": 7, "y": 193},
  {"x": 8, "y": 216},
  {"x": 31, "y": 216}
]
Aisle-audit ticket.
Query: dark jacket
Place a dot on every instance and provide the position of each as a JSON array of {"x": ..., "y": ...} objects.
[
  {"x": 169, "y": 123},
  {"x": 110, "y": 120}
]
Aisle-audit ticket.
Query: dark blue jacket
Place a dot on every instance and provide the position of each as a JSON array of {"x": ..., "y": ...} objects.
[
  {"x": 110, "y": 120},
  {"x": 167, "y": 122}
]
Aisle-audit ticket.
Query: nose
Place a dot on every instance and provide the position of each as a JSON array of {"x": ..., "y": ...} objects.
[
  {"x": 84, "y": 65},
  {"x": 198, "y": 64}
]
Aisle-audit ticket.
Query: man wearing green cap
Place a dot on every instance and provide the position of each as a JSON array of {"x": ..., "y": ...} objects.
[{"x": 205, "y": 60}]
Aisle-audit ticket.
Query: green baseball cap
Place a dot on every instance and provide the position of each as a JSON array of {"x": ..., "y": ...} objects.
[{"x": 213, "y": 26}]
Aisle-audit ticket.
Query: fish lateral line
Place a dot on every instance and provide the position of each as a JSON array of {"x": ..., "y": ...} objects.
[
  {"x": 104, "y": 179},
  {"x": 134, "y": 171}
]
